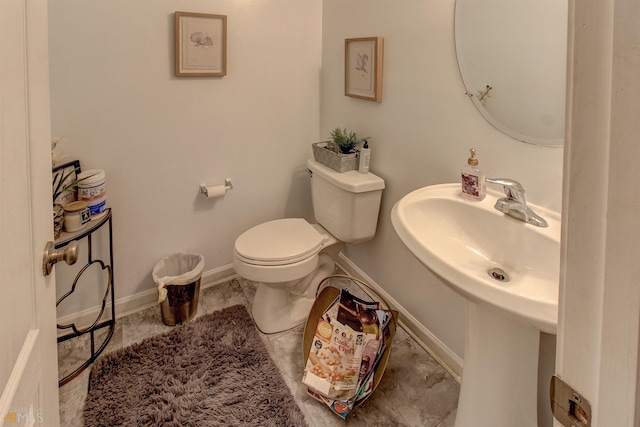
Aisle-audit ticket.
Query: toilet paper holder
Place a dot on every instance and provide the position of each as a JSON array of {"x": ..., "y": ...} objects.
[{"x": 204, "y": 189}]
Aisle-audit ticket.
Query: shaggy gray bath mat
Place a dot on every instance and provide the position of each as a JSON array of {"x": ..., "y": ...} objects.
[{"x": 213, "y": 371}]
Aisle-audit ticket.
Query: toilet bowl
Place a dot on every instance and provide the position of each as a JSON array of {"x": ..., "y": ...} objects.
[{"x": 287, "y": 258}]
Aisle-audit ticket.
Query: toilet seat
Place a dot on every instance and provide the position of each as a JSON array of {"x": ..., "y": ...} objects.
[{"x": 279, "y": 242}]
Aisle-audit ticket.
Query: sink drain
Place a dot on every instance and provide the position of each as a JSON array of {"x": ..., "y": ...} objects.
[{"x": 498, "y": 274}]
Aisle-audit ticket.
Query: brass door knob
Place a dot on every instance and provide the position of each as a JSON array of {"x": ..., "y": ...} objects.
[{"x": 51, "y": 256}]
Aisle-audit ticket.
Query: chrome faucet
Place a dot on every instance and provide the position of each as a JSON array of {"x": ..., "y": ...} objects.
[{"x": 515, "y": 204}]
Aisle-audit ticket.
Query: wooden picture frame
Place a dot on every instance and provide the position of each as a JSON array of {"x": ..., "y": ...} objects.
[
  {"x": 363, "y": 68},
  {"x": 200, "y": 44}
]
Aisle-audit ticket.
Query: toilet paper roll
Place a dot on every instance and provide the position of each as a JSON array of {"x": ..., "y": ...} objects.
[{"x": 215, "y": 191}]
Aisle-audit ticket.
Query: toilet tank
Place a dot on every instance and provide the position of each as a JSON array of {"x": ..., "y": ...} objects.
[{"x": 346, "y": 204}]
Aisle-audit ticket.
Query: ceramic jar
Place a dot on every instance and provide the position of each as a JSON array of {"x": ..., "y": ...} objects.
[{"x": 76, "y": 215}]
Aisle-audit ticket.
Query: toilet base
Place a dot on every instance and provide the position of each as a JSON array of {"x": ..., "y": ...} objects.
[
  {"x": 281, "y": 306},
  {"x": 277, "y": 310}
]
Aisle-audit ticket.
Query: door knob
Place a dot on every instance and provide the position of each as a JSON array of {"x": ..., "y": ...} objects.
[{"x": 51, "y": 256}]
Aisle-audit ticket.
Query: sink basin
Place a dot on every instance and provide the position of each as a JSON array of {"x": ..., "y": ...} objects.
[
  {"x": 508, "y": 271},
  {"x": 483, "y": 254}
]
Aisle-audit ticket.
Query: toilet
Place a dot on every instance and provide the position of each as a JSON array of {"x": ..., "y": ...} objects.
[{"x": 288, "y": 258}]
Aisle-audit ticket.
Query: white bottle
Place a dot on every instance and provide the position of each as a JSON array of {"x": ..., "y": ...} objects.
[
  {"x": 365, "y": 157},
  {"x": 473, "y": 179}
]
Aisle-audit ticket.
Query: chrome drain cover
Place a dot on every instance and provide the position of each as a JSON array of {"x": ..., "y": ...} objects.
[{"x": 498, "y": 274}]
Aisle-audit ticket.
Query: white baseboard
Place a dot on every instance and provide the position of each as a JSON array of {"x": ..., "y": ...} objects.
[
  {"x": 427, "y": 340},
  {"x": 127, "y": 305},
  {"x": 141, "y": 300}
]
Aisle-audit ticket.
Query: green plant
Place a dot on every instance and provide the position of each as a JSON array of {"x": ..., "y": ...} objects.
[
  {"x": 60, "y": 184},
  {"x": 346, "y": 141}
]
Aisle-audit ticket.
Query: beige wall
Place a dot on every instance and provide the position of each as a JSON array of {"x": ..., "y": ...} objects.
[
  {"x": 421, "y": 134},
  {"x": 121, "y": 109},
  {"x": 115, "y": 98}
]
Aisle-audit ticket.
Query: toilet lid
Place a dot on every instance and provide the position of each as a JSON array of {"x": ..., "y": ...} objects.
[{"x": 278, "y": 242}]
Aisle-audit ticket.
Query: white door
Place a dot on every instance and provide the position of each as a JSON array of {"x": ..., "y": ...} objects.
[
  {"x": 28, "y": 359},
  {"x": 599, "y": 327}
]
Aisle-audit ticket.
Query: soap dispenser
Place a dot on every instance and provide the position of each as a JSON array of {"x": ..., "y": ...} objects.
[
  {"x": 473, "y": 179},
  {"x": 365, "y": 157}
]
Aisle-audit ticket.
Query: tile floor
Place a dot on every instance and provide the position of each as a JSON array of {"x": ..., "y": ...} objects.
[{"x": 415, "y": 390}]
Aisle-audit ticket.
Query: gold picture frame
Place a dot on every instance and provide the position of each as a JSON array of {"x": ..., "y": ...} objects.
[
  {"x": 200, "y": 44},
  {"x": 363, "y": 68}
]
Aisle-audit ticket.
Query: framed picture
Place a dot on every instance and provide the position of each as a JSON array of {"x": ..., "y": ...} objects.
[
  {"x": 363, "y": 68},
  {"x": 62, "y": 183},
  {"x": 200, "y": 44}
]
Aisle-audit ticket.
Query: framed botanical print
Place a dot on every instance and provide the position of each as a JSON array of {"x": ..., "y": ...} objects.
[
  {"x": 200, "y": 44},
  {"x": 363, "y": 68}
]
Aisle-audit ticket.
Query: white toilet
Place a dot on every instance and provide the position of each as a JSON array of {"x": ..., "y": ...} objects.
[{"x": 288, "y": 258}]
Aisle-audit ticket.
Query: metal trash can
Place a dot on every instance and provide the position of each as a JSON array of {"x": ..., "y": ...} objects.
[{"x": 178, "y": 279}]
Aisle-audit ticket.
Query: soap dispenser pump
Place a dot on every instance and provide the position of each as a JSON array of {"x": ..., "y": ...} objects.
[{"x": 473, "y": 179}]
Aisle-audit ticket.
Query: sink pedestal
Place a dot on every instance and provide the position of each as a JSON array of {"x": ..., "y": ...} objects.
[{"x": 500, "y": 376}]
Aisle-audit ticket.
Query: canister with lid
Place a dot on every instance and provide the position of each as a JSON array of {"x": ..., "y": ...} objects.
[
  {"x": 76, "y": 215},
  {"x": 92, "y": 189}
]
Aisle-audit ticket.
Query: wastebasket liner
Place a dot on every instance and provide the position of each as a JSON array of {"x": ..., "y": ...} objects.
[{"x": 182, "y": 268}]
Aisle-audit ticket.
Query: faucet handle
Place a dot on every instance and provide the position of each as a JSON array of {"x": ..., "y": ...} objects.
[{"x": 512, "y": 188}]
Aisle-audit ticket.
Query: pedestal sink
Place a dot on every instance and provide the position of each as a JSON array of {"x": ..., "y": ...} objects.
[{"x": 508, "y": 271}]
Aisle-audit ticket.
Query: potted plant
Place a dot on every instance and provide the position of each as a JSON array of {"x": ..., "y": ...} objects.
[
  {"x": 346, "y": 141},
  {"x": 340, "y": 152}
]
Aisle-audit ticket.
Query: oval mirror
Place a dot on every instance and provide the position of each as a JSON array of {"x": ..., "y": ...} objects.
[{"x": 512, "y": 58}]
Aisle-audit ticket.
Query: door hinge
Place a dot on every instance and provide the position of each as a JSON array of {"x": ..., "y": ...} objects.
[{"x": 568, "y": 406}]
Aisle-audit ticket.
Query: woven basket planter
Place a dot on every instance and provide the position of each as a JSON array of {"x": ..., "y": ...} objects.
[{"x": 336, "y": 161}]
